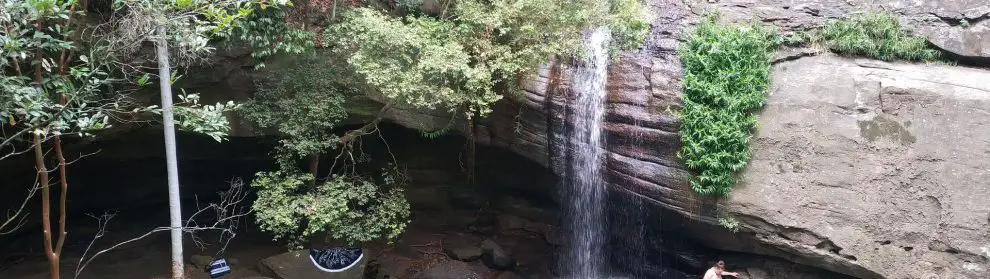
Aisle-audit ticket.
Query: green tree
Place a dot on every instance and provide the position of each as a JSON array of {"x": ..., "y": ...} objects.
[
  {"x": 460, "y": 59},
  {"x": 186, "y": 26},
  {"x": 457, "y": 61},
  {"x": 305, "y": 103},
  {"x": 56, "y": 81}
]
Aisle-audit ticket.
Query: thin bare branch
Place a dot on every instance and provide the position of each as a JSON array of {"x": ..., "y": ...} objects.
[
  {"x": 16, "y": 219},
  {"x": 228, "y": 211}
]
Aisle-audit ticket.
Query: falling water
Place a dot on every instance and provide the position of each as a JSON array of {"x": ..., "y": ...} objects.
[{"x": 586, "y": 194}]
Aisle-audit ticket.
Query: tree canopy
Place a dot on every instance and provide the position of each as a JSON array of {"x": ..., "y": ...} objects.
[{"x": 461, "y": 58}]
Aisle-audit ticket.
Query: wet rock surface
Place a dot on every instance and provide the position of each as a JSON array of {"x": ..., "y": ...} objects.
[
  {"x": 495, "y": 257},
  {"x": 462, "y": 247}
]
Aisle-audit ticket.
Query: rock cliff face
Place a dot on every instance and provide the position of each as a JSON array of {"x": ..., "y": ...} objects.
[
  {"x": 869, "y": 169},
  {"x": 958, "y": 26},
  {"x": 874, "y": 170},
  {"x": 873, "y": 164}
]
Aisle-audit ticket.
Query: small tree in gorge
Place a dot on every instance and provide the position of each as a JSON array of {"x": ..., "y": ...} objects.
[{"x": 305, "y": 103}]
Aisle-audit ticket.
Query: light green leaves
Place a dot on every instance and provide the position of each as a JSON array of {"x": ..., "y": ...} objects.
[
  {"x": 726, "y": 77},
  {"x": 420, "y": 64},
  {"x": 465, "y": 61},
  {"x": 348, "y": 208},
  {"x": 304, "y": 102},
  {"x": 874, "y": 35}
]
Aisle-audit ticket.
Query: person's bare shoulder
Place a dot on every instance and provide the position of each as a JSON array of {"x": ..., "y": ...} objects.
[{"x": 710, "y": 274}]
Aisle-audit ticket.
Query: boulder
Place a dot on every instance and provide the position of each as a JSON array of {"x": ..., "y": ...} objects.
[
  {"x": 495, "y": 257},
  {"x": 462, "y": 253},
  {"x": 507, "y": 222},
  {"x": 297, "y": 265},
  {"x": 461, "y": 247}
]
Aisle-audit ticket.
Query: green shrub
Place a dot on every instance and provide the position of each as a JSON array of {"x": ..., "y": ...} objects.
[
  {"x": 874, "y": 35},
  {"x": 726, "y": 77},
  {"x": 348, "y": 208}
]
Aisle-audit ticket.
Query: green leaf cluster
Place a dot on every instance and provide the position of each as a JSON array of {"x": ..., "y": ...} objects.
[
  {"x": 874, "y": 35},
  {"x": 57, "y": 97},
  {"x": 304, "y": 102},
  {"x": 208, "y": 120},
  {"x": 726, "y": 77},
  {"x": 348, "y": 208},
  {"x": 464, "y": 59},
  {"x": 729, "y": 223},
  {"x": 268, "y": 32}
]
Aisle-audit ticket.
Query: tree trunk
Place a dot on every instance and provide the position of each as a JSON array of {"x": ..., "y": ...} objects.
[
  {"x": 64, "y": 185},
  {"x": 314, "y": 168},
  {"x": 46, "y": 224},
  {"x": 174, "y": 206},
  {"x": 471, "y": 150}
]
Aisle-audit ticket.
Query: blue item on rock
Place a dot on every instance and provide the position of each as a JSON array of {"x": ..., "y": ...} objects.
[
  {"x": 218, "y": 267},
  {"x": 335, "y": 259}
]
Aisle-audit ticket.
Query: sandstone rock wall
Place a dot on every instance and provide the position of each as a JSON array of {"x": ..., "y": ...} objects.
[
  {"x": 870, "y": 169},
  {"x": 881, "y": 165},
  {"x": 957, "y": 26}
]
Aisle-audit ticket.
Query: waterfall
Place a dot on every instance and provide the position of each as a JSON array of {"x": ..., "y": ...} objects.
[{"x": 585, "y": 196}]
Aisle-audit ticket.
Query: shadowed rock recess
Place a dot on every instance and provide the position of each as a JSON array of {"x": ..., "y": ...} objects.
[{"x": 859, "y": 167}]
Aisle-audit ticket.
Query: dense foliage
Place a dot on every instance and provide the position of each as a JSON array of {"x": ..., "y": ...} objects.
[
  {"x": 726, "y": 77},
  {"x": 305, "y": 103},
  {"x": 348, "y": 208},
  {"x": 268, "y": 32},
  {"x": 47, "y": 84},
  {"x": 459, "y": 60},
  {"x": 874, "y": 35},
  {"x": 59, "y": 81}
]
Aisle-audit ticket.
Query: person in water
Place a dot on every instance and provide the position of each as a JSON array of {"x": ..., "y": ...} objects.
[{"x": 718, "y": 270}]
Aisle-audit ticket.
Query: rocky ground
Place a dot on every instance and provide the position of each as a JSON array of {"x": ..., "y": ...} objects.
[{"x": 455, "y": 244}]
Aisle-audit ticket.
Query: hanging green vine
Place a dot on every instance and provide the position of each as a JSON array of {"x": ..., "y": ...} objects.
[{"x": 442, "y": 131}]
